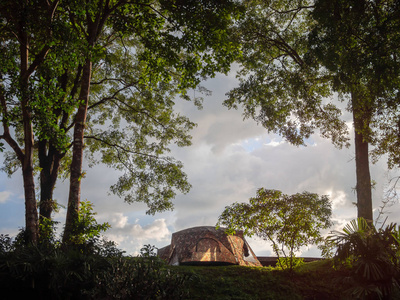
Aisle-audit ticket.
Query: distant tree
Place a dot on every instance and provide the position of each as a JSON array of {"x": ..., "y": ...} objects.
[
  {"x": 288, "y": 222},
  {"x": 299, "y": 55}
]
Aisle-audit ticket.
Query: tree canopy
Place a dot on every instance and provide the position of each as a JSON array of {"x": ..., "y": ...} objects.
[
  {"x": 106, "y": 72},
  {"x": 304, "y": 60}
]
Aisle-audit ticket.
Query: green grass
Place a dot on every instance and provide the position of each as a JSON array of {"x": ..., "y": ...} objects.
[{"x": 316, "y": 280}]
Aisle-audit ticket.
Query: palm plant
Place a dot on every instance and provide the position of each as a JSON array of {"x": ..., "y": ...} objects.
[{"x": 372, "y": 257}]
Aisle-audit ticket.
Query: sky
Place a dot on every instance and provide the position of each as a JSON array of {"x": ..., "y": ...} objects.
[{"x": 230, "y": 159}]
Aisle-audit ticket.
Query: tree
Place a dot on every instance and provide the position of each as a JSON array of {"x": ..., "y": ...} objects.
[
  {"x": 361, "y": 38},
  {"x": 298, "y": 55},
  {"x": 25, "y": 44},
  {"x": 288, "y": 222},
  {"x": 171, "y": 41},
  {"x": 141, "y": 55}
]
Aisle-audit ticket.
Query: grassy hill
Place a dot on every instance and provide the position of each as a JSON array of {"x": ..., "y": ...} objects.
[{"x": 314, "y": 280}]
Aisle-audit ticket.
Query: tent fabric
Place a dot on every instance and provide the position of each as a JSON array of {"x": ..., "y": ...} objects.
[{"x": 207, "y": 245}]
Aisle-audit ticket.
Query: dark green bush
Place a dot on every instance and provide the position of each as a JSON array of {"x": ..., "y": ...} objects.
[
  {"x": 141, "y": 278},
  {"x": 86, "y": 267},
  {"x": 372, "y": 258},
  {"x": 41, "y": 272}
]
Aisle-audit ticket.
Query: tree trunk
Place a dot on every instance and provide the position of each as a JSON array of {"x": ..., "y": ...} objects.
[
  {"x": 31, "y": 216},
  {"x": 361, "y": 117},
  {"x": 77, "y": 153},
  {"x": 49, "y": 165},
  {"x": 94, "y": 28}
]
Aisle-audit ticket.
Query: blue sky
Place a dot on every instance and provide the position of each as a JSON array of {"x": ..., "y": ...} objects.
[{"x": 229, "y": 160}]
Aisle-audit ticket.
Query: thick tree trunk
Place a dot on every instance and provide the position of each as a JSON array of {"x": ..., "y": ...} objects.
[
  {"x": 77, "y": 154},
  {"x": 50, "y": 165},
  {"x": 364, "y": 196},
  {"x": 361, "y": 117}
]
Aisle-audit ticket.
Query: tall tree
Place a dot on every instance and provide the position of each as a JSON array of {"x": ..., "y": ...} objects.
[
  {"x": 168, "y": 48},
  {"x": 26, "y": 31},
  {"x": 360, "y": 44},
  {"x": 184, "y": 39},
  {"x": 298, "y": 54}
]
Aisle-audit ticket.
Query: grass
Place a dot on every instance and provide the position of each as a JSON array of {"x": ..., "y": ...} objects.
[{"x": 315, "y": 280}]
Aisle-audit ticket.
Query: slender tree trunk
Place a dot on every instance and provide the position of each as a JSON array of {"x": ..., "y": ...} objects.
[
  {"x": 31, "y": 216},
  {"x": 77, "y": 153},
  {"x": 361, "y": 117},
  {"x": 94, "y": 28}
]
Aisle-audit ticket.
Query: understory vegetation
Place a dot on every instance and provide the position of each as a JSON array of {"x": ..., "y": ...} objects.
[
  {"x": 365, "y": 266},
  {"x": 38, "y": 273},
  {"x": 74, "y": 275}
]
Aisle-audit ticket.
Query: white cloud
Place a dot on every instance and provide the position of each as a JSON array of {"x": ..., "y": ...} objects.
[
  {"x": 274, "y": 143},
  {"x": 4, "y": 196},
  {"x": 118, "y": 220},
  {"x": 132, "y": 236},
  {"x": 338, "y": 198},
  {"x": 157, "y": 230}
]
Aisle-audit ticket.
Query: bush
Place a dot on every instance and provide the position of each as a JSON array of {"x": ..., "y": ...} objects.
[
  {"x": 141, "y": 278},
  {"x": 371, "y": 256},
  {"x": 39, "y": 272},
  {"x": 88, "y": 267},
  {"x": 288, "y": 263}
]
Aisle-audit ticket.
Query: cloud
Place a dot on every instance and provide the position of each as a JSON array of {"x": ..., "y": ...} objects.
[
  {"x": 118, "y": 220},
  {"x": 131, "y": 236},
  {"x": 4, "y": 196}
]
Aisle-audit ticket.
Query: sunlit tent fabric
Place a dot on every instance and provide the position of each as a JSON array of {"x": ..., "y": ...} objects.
[{"x": 209, "y": 246}]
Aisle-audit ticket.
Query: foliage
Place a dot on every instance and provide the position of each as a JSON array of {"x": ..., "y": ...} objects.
[
  {"x": 357, "y": 43},
  {"x": 316, "y": 280},
  {"x": 372, "y": 256},
  {"x": 47, "y": 233},
  {"x": 288, "y": 222},
  {"x": 305, "y": 62},
  {"x": 148, "y": 251},
  {"x": 141, "y": 278},
  {"x": 44, "y": 273},
  {"x": 86, "y": 230},
  {"x": 6, "y": 243},
  {"x": 133, "y": 59},
  {"x": 287, "y": 263},
  {"x": 278, "y": 87},
  {"x": 94, "y": 270}
]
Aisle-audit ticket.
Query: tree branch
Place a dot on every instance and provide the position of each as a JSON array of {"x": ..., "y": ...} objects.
[
  {"x": 6, "y": 134},
  {"x": 116, "y": 146},
  {"x": 112, "y": 96}
]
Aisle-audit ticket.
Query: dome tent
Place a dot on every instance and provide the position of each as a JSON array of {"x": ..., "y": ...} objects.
[{"x": 207, "y": 245}]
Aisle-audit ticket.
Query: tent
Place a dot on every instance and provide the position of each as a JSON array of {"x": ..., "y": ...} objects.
[{"x": 207, "y": 245}]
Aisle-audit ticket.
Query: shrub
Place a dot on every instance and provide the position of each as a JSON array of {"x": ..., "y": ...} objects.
[
  {"x": 371, "y": 256},
  {"x": 141, "y": 278}
]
